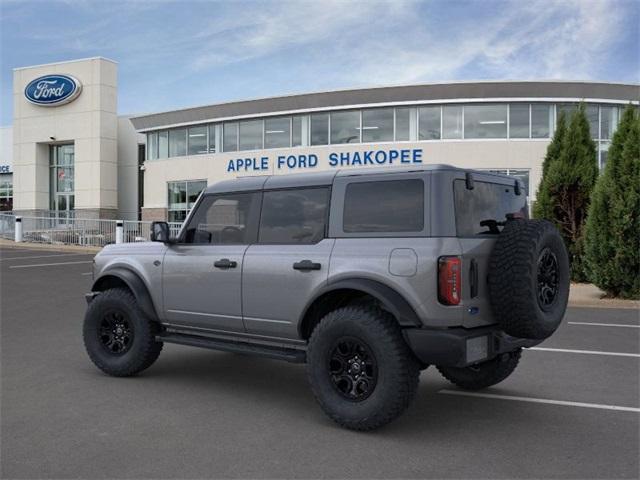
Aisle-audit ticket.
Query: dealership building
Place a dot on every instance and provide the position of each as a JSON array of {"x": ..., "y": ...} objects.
[{"x": 69, "y": 151}]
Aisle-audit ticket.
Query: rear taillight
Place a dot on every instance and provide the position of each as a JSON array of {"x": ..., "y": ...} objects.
[{"x": 449, "y": 280}]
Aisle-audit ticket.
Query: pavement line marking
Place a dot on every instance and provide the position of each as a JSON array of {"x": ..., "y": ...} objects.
[
  {"x": 589, "y": 352},
  {"x": 49, "y": 264},
  {"x": 540, "y": 400},
  {"x": 44, "y": 256},
  {"x": 87, "y": 273},
  {"x": 604, "y": 324}
]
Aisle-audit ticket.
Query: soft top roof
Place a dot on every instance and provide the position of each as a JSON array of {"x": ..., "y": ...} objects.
[{"x": 325, "y": 177}]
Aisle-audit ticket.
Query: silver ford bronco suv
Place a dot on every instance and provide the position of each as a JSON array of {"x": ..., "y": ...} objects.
[{"x": 365, "y": 276}]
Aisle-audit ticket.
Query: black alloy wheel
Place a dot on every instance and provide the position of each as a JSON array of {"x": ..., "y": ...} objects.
[
  {"x": 115, "y": 332},
  {"x": 547, "y": 277},
  {"x": 353, "y": 369}
]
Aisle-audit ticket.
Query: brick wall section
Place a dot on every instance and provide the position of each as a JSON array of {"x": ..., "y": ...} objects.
[{"x": 154, "y": 214}]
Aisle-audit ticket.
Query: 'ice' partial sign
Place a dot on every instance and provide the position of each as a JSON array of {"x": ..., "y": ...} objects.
[{"x": 53, "y": 90}]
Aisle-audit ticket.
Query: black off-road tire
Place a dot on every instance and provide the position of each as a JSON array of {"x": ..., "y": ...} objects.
[
  {"x": 136, "y": 355},
  {"x": 483, "y": 375},
  {"x": 397, "y": 369},
  {"x": 518, "y": 273}
]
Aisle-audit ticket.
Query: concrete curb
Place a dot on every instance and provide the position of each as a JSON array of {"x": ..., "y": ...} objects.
[{"x": 45, "y": 246}]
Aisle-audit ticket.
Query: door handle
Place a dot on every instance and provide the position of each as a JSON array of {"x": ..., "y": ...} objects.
[
  {"x": 225, "y": 263},
  {"x": 306, "y": 265}
]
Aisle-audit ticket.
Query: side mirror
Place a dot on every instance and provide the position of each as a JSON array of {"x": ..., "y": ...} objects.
[{"x": 160, "y": 232}]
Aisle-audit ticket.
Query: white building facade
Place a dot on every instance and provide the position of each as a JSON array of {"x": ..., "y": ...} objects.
[{"x": 78, "y": 157}]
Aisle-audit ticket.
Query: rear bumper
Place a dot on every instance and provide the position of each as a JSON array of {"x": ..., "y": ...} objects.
[{"x": 461, "y": 347}]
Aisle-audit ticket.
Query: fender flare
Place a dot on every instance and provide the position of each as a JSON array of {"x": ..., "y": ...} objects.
[
  {"x": 135, "y": 284},
  {"x": 387, "y": 296}
]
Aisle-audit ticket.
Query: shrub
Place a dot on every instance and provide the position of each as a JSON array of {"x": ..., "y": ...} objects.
[{"x": 612, "y": 236}]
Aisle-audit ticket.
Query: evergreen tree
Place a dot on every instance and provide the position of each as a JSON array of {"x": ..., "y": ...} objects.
[
  {"x": 612, "y": 236},
  {"x": 569, "y": 182},
  {"x": 543, "y": 207}
]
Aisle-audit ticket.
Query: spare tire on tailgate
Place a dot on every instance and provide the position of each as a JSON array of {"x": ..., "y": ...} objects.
[{"x": 529, "y": 278}]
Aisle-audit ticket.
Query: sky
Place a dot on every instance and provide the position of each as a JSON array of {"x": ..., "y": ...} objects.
[{"x": 176, "y": 54}]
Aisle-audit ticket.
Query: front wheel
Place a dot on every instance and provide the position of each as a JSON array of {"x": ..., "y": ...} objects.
[
  {"x": 485, "y": 374},
  {"x": 118, "y": 337},
  {"x": 361, "y": 371}
]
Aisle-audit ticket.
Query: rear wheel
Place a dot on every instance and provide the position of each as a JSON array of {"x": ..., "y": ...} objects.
[
  {"x": 360, "y": 368},
  {"x": 118, "y": 337},
  {"x": 483, "y": 375}
]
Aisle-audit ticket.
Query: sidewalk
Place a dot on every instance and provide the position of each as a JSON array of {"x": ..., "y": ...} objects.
[
  {"x": 588, "y": 295},
  {"x": 46, "y": 246}
]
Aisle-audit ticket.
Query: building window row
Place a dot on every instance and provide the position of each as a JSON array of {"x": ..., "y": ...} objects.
[{"x": 373, "y": 125}]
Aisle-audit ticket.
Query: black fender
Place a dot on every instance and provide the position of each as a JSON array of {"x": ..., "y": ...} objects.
[
  {"x": 390, "y": 299},
  {"x": 135, "y": 284}
]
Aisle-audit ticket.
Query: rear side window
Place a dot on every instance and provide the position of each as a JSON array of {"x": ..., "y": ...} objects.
[
  {"x": 487, "y": 201},
  {"x": 384, "y": 206},
  {"x": 296, "y": 216}
]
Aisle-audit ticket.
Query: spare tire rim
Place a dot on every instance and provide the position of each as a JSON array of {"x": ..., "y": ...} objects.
[
  {"x": 115, "y": 332},
  {"x": 353, "y": 369},
  {"x": 548, "y": 280}
]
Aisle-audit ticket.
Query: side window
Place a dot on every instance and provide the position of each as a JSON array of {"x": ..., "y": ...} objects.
[
  {"x": 296, "y": 216},
  {"x": 224, "y": 219},
  {"x": 487, "y": 201},
  {"x": 384, "y": 206}
]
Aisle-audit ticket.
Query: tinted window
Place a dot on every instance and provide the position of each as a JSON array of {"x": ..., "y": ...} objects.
[
  {"x": 178, "y": 142},
  {"x": 487, "y": 201},
  {"x": 345, "y": 127},
  {"x": 429, "y": 126},
  {"x": 377, "y": 125},
  {"x": 403, "y": 122},
  {"x": 251, "y": 135},
  {"x": 294, "y": 216},
  {"x": 224, "y": 219},
  {"x": 277, "y": 132},
  {"x": 197, "y": 140},
  {"x": 320, "y": 129},
  {"x": 384, "y": 206},
  {"x": 485, "y": 121},
  {"x": 519, "y": 120}
]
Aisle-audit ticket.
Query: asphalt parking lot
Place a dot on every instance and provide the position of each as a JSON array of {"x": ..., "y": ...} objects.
[{"x": 203, "y": 414}]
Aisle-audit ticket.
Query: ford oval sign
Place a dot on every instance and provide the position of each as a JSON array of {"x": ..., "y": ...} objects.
[{"x": 53, "y": 90}]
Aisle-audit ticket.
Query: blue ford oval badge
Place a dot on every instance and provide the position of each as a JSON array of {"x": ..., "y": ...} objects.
[{"x": 53, "y": 90}]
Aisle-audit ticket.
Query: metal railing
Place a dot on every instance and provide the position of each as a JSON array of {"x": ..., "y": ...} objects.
[
  {"x": 78, "y": 231},
  {"x": 7, "y": 226}
]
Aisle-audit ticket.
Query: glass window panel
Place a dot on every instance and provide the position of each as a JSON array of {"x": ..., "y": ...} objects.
[
  {"x": 485, "y": 121},
  {"x": 277, "y": 132},
  {"x": 384, "y": 206},
  {"x": 568, "y": 109},
  {"x": 592, "y": 117},
  {"x": 294, "y": 216},
  {"x": 178, "y": 142},
  {"x": 177, "y": 195},
  {"x": 608, "y": 122},
  {"x": 519, "y": 120},
  {"x": 224, "y": 219},
  {"x": 296, "y": 131},
  {"x": 212, "y": 138},
  {"x": 487, "y": 201},
  {"x": 452, "y": 121},
  {"x": 429, "y": 123},
  {"x": 152, "y": 146},
  {"x": 345, "y": 127},
  {"x": 377, "y": 125},
  {"x": 541, "y": 120},
  {"x": 320, "y": 129},
  {"x": 251, "y": 135},
  {"x": 230, "y": 137},
  {"x": 604, "y": 153},
  {"x": 197, "y": 140},
  {"x": 403, "y": 124},
  {"x": 163, "y": 144},
  {"x": 193, "y": 191},
  {"x": 178, "y": 216}
]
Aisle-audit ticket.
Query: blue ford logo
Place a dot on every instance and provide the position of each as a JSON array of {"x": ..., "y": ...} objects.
[{"x": 53, "y": 90}]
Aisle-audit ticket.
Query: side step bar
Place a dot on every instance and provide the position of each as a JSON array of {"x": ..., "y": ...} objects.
[{"x": 287, "y": 354}]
